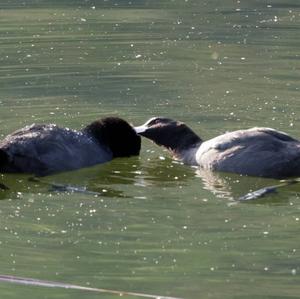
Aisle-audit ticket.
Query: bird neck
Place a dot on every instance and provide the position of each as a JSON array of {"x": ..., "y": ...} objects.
[{"x": 187, "y": 155}]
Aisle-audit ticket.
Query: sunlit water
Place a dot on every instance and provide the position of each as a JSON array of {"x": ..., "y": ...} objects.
[{"x": 153, "y": 225}]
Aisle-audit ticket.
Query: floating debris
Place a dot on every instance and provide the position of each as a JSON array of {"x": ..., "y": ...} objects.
[{"x": 266, "y": 190}]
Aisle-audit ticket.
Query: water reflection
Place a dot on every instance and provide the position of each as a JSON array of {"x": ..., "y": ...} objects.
[
  {"x": 233, "y": 186},
  {"x": 169, "y": 173},
  {"x": 110, "y": 180},
  {"x": 14, "y": 186},
  {"x": 107, "y": 180}
]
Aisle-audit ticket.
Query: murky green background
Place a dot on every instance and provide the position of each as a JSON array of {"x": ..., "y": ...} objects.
[{"x": 157, "y": 226}]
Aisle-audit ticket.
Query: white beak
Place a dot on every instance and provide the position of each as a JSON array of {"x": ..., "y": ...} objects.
[{"x": 140, "y": 129}]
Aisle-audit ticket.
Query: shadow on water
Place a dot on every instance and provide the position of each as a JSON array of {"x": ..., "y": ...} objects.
[
  {"x": 35, "y": 185},
  {"x": 101, "y": 180},
  {"x": 106, "y": 180},
  {"x": 110, "y": 179}
]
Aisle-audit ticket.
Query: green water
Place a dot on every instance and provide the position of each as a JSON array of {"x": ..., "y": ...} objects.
[{"x": 156, "y": 226}]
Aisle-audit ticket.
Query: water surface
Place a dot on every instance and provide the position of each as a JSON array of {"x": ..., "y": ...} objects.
[{"x": 156, "y": 226}]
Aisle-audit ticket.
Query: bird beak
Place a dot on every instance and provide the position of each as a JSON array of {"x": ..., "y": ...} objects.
[{"x": 140, "y": 129}]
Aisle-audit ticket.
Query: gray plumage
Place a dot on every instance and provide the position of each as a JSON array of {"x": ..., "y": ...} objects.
[{"x": 47, "y": 149}]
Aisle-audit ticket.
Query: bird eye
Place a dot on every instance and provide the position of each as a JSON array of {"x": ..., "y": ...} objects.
[
  {"x": 153, "y": 121},
  {"x": 158, "y": 121}
]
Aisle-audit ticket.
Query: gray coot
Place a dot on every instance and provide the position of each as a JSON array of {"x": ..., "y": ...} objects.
[{"x": 47, "y": 149}]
